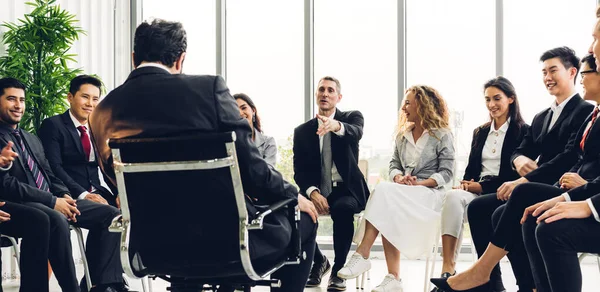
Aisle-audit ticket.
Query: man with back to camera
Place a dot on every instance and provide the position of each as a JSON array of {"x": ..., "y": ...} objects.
[{"x": 196, "y": 104}]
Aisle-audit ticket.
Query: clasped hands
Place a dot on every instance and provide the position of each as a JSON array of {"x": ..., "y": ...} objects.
[{"x": 408, "y": 180}]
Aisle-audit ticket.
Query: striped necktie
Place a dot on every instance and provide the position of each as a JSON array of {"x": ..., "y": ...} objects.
[
  {"x": 587, "y": 131},
  {"x": 40, "y": 181}
]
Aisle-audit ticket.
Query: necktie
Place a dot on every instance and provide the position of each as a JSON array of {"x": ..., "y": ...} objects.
[
  {"x": 326, "y": 165},
  {"x": 85, "y": 142},
  {"x": 40, "y": 181},
  {"x": 587, "y": 131}
]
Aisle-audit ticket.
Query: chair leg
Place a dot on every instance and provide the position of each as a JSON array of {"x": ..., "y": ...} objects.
[
  {"x": 86, "y": 268},
  {"x": 362, "y": 283},
  {"x": 146, "y": 284},
  {"x": 15, "y": 248}
]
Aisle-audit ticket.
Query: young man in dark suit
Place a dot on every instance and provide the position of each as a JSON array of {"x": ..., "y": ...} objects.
[
  {"x": 67, "y": 144},
  {"x": 30, "y": 181},
  {"x": 174, "y": 103},
  {"x": 32, "y": 226},
  {"x": 551, "y": 131},
  {"x": 326, "y": 170}
]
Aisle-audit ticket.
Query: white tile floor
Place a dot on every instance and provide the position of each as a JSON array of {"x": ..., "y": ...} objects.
[{"x": 412, "y": 273}]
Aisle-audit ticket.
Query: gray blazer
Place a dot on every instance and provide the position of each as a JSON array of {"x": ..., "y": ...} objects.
[
  {"x": 266, "y": 147},
  {"x": 436, "y": 161}
]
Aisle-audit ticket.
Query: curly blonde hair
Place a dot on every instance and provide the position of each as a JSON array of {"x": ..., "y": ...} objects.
[{"x": 431, "y": 108}]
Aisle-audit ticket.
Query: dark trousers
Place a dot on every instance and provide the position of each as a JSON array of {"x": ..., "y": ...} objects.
[
  {"x": 552, "y": 248},
  {"x": 293, "y": 277},
  {"x": 480, "y": 212},
  {"x": 33, "y": 226},
  {"x": 508, "y": 233},
  {"x": 342, "y": 207},
  {"x": 517, "y": 257},
  {"x": 102, "y": 246}
]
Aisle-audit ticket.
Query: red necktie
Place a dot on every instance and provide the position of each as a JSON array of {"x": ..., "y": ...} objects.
[
  {"x": 85, "y": 142},
  {"x": 587, "y": 131}
]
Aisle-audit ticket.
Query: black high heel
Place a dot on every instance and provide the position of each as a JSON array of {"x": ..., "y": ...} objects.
[{"x": 442, "y": 284}]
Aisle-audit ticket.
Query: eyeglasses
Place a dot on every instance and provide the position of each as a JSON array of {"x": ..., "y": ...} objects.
[{"x": 587, "y": 72}]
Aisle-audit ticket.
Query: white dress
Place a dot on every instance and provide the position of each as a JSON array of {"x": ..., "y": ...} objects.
[{"x": 408, "y": 216}]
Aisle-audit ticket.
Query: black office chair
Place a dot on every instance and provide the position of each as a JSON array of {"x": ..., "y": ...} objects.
[{"x": 182, "y": 222}]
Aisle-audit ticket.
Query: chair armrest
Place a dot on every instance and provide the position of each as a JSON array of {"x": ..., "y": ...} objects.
[
  {"x": 257, "y": 223},
  {"x": 117, "y": 225}
]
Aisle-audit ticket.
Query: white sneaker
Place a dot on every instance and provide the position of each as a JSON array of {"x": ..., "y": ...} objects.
[
  {"x": 355, "y": 267},
  {"x": 389, "y": 284}
]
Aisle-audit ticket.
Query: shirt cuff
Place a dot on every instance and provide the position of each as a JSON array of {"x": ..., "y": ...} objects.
[
  {"x": 6, "y": 168},
  {"x": 82, "y": 195},
  {"x": 342, "y": 130},
  {"x": 394, "y": 173},
  {"x": 594, "y": 211},
  {"x": 567, "y": 197},
  {"x": 310, "y": 190}
]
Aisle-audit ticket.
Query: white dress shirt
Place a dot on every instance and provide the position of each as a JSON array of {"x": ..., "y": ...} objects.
[
  {"x": 492, "y": 149},
  {"x": 335, "y": 175},
  {"x": 157, "y": 65},
  {"x": 413, "y": 150},
  {"x": 91, "y": 158},
  {"x": 557, "y": 110}
]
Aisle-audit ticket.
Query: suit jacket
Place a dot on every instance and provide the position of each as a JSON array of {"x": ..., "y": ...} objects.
[
  {"x": 584, "y": 162},
  {"x": 18, "y": 184},
  {"x": 203, "y": 104},
  {"x": 154, "y": 103},
  {"x": 512, "y": 139},
  {"x": 344, "y": 150},
  {"x": 62, "y": 145},
  {"x": 539, "y": 142},
  {"x": 266, "y": 147},
  {"x": 436, "y": 160}
]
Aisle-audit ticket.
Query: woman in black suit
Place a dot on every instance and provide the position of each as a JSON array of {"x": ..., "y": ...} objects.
[{"x": 489, "y": 166}]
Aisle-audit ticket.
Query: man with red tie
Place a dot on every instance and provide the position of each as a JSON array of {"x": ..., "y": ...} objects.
[{"x": 68, "y": 147}]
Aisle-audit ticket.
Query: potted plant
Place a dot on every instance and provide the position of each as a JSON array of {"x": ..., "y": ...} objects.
[{"x": 37, "y": 53}]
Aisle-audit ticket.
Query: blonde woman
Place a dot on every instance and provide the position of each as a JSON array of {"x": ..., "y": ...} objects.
[{"x": 406, "y": 211}]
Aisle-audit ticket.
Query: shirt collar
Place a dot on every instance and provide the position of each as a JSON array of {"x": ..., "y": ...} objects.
[
  {"x": 502, "y": 128},
  {"x": 560, "y": 106},
  {"x": 75, "y": 121},
  {"x": 331, "y": 116},
  {"x": 157, "y": 65}
]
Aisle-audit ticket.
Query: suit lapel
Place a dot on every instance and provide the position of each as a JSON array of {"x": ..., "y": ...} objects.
[
  {"x": 547, "y": 122},
  {"x": 566, "y": 111},
  {"x": 30, "y": 142},
  {"x": 66, "y": 117},
  {"x": 509, "y": 139}
]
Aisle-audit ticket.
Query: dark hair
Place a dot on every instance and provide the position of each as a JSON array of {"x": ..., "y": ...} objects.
[
  {"x": 566, "y": 55},
  {"x": 9, "y": 82},
  {"x": 160, "y": 41},
  {"x": 591, "y": 61},
  {"x": 248, "y": 100},
  {"x": 504, "y": 85},
  {"x": 80, "y": 80}
]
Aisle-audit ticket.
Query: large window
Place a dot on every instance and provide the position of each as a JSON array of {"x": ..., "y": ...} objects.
[
  {"x": 200, "y": 25},
  {"x": 454, "y": 52},
  {"x": 533, "y": 27},
  {"x": 265, "y": 60},
  {"x": 357, "y": 42}
]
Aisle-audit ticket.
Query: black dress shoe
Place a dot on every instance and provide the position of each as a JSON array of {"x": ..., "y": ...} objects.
[
  {"x": 336, "y": 284},
  {"x": 318, "y": 270},
  {"x": 120, "y": 287},
  {"x": 442, "y": 284},
  {"x": 444, "y": 275}
]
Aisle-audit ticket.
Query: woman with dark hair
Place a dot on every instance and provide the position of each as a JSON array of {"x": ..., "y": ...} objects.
[
  {"x": 488, "y": 167},
  {"x": 265, "y": 144}
]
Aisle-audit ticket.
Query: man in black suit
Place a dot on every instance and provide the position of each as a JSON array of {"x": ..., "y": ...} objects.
[
  {"x": 550, "y": 133},
  {"x": 32, "y": 226},
  {"x": 30, "y": 181},
  {"x": 552, "y": 246},
  {"x": 68, "y": 146},
  {"x": 197, "y": 104},
  {"x": 326, "y": 170}
]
